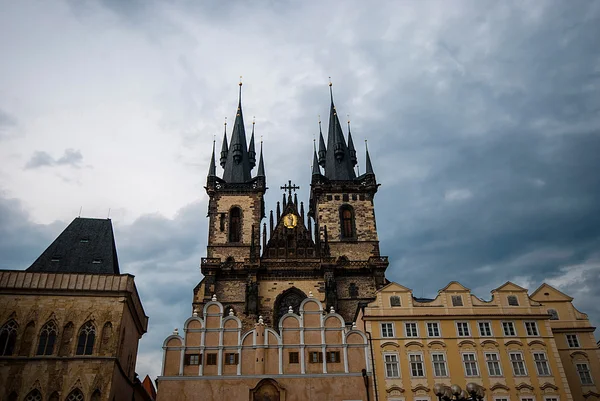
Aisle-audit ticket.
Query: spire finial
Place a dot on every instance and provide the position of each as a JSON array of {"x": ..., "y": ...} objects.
[{"x": 331, "y": 90}]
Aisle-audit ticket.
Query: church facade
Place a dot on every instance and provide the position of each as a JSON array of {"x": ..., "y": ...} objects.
[{"x": 273, "y": 314}]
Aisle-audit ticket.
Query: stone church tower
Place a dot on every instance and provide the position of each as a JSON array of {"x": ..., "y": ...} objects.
[{"x": 330, "y": 253}]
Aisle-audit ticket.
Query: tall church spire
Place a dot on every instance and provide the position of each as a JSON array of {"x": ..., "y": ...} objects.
[
  {"x": 224, "y": 148},
  {"x": 251, "y": 151},
  {"x": 338, "y": 163},
  {"x": 261, "y": 164},
  {"x": 315, "y": 163},
  {"x": 322, "y": 150},
  {"x": 212, "y": 169},
  {"x": 237, "y": 166},
  {"x": 351, "y": 149},
  {"x": 369, "y": 166}
]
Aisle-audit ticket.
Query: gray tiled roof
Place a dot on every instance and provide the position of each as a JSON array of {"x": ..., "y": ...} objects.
[{"x": 85, "y": 246}]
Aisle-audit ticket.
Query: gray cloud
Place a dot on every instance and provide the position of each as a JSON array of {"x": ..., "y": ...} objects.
[
  {"x": 71, "y": 157},
  {"x": 7, "y": 121}
]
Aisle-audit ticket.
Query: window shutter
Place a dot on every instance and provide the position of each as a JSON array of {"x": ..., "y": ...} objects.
[{"x": 237, "y": 358}]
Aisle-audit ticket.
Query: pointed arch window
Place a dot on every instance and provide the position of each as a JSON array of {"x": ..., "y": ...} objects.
[
  {"x": 34, "y": 395},
  {"x": 8, "y": 338},
  {"x": 47, "y": 339},
  {"x": 85, "y": 340},
  {"x": 235, "y": 224},
  {"x": 75, "y": 395},
  {"x": 347, "y": 222}
]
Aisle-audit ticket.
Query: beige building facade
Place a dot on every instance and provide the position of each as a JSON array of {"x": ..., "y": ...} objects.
[
  {"x": 69, "y": 329},
  {"x": 508, "y": 344}
]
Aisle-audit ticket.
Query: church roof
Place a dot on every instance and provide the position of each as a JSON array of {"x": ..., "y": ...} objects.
[
  {"x": 338, "y": 163},
  {"x": 85, "y": 246},
  {"x": 237, "y": 164}
]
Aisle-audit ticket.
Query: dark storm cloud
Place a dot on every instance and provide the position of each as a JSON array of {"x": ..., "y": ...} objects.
[{"x": 71, "y": 157}]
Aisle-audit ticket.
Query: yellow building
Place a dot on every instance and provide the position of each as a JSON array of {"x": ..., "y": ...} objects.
[{"x": 507, "y": 345}]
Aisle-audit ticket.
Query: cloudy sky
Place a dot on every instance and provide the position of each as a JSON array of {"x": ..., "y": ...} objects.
[{"x": 483, "y": 121}]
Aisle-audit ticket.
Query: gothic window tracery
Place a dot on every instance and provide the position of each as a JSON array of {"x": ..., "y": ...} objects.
[
  {"x": 85, "y": 341},
  {"x": 47, "y": 339},
  {"x": 292, "y": 297},
  {"x": 34, "y": 395},
  {"x": 235, "y": 224},
  {"x": 75, "y": 395},
  {"x": 8, "y": 338}
]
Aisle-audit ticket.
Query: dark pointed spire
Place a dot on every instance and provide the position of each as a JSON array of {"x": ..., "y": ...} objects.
[
  {"x": 237, "y": 167},
  {"x": 284, "y": 203},
  {"x": 278, "y": 211},
  {"x": 251, "y": 151},
  {"x": 351, "y": 149},
  {"x": 261, "y": 164},
  {"x": 322, "y": 150},
  {"x": 315, "y": 163},
  {"x": 212, "y": 169},
  {"x": 224, "y": 149},
  {"x": 338, "y": 165},
  {"x": 369, "y": 166},
  {"x": 271, "y": 225}
]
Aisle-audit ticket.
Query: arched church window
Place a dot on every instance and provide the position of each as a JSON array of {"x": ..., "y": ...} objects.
[
  {"x": 47, "y": 339},
  {"x": 235, "y": 224},
  {"x": 8, "y": 338},
  {"x": 553, "y": 314},
  {"x": 85, "y": 341},
  {"x": 292, "y": 297},
  {"x": 34, "y": 395},
  {"x": 347, "y": 221},
  {"x": 75, "y": 395}
]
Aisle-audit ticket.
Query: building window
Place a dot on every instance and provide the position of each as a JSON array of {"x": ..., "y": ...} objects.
[
  {"x": 518, "y": 364},
  {"x": 531, "y": 328},
  {"x": 34, "y": 395},
  {"x": 231, "y": 358},
  {"x": 492, "y": 360},
  {"x": 8, "y": 338},
  {"x": 75, "y": 395},
  {"x": 550, "y": 398},
  {"x": 509, "y": 329},
  {"x": 513, "y": 300},
  {"x": 387, "y": 330},
  {"x": 293, "y": 357},
  {"x": 85, "y": 341},
  {"x": 501, "y": 399},
  {"x": 192, "y": 359},
  {"x": 457, "y": 300},
  {"x": 47, "y": 339},
  {"x": 347, "y": 221},
  {"x": 395, "y": 300},
  {"x": 353, "y": 290},
  {"x": 433, "y": 329},
  {"x": 583, "y": 370},
  {"x": 553, "y": 314},
  {"x": 439, "y": 365},
  {"x": 211, "y": 359},
  {"x": 416, "y": 365},
  {"x": 392, "y": 369},
  {"x": 485, "y": 329},
  {"x": 410, "y": 329},
  {"x": 333, "y": 356},
  {"x": 572, "y": 341},
  {"x": 527, "y": 399},
  {"x": 462, "y": 329},
  {"x": 470, "y": 362},
  {"x": 315, "y": 357},
  {"x": 541, "y": 364},
  {"x": 235, "y": 224}
]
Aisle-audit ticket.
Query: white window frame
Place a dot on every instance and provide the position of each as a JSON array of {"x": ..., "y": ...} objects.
[
  {"x": 474, "y": 361},
  {"x": 576, "y": 337},
  {"x": 444, "y": 362},
  {"x": 527, "y": 398},
  {"x": 510, "y": 323},
  {"x": 406, "y": 331},
  {"x": 551, "y": 398},
  {"x": 522, "y": 360},
  {"x": 534, "y": 325},
  {"x": 468, "y": 329},
  {"x": 501, "y": 397},
  {"x": 589, "y": 372},
  {"x": 481, "y": 334},
  {"x": 545, "y": 360},
  {"x": 439, "y": 329},
  {"x": 422, "y": 361},
  {"x": 497, "y": 360},
  {"x": 397, "y": 362},
  {"x": 385, "y": 332}
]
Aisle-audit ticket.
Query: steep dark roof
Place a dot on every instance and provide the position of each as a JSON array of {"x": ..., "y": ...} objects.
[
  {"x": 338, "y": 164},
  {"x": 85, "y": 246},
  {"x": 237, "y": 165}
]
